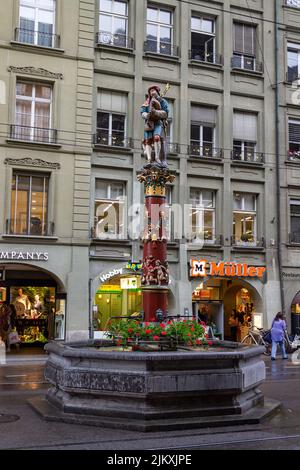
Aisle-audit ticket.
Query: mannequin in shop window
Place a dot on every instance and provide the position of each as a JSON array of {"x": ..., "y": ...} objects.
[
  {"x": 37, "y": 307},
  {"x": 22, "y": 304}
]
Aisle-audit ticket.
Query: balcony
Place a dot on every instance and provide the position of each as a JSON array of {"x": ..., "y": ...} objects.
[
  {"x": 172, "y": 148},
  {"x": 117, "y": 139},
  {"x": 31, "y": 228},
  {"x": 161, "y": 48},
  {"x": 199, "y": 55},
  {"x": 33, "y": 134},
  {"x": 206, "y": 150},
  {"x": 294, "y": 238},
  {"x": 247, "y": 241},
  {"x": 247, "y": 156},
  {"x": 292, "y": 3},
  {"x": 249, "y": 64},
  {"x": 114, "y": 40},
  {"x": 37, "y": 38}
]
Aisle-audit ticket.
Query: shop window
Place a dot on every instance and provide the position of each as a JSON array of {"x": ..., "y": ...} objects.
[
  {"x": 294, "y": 139},
  {"x": 113, "y": 23},
  {"x": 33, "y": 113},
  {"x": 37, "y": 23},
  {"x": 109, "y": 209},
  {"x": 244, "y": 48},
  {"x": 111, "y": 119},
  {"x": 159, "y": 31},
  {"x": 244, "y": 219},
  {"x": 203, "y": 123},
  {"x": 203, "y": 39},
  {"x": 202, "y": 217},
  {"x": 244, "y": 136},
  {"x": 295, "y": 221},
  {"x": 29, "y": 205}
]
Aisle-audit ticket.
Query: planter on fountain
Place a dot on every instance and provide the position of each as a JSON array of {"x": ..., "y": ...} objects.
[{"x": 151, "y": 391}]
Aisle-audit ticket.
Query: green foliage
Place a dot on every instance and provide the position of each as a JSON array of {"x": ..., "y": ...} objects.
[{"x": 186, "y": 332}]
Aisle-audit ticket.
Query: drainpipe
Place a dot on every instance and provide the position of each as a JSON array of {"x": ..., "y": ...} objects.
[{"x": 278, "y": 192}]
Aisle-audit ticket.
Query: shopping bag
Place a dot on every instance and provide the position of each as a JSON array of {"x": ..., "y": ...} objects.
[{"x": 13, "y": 337}]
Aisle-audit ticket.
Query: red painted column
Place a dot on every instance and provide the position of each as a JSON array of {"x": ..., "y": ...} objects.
[{"x": 155, "y": 278}]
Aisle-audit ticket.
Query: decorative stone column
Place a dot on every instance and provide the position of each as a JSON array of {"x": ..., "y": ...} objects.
[{"x": 155, "y": 277}]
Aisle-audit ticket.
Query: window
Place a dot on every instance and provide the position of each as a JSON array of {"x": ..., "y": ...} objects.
[
  {"x": 159, "y": 31},
  {"x": 244, "y": 218},
  {"x": 293, "y": 62},
  {"x": 111, "y": 119},
  {"x": 29, "y": 205},
  {"x": 109, "y": 209},
  {"x": 294, "y": 139},
  {"x": 293, "y": 3},
  {"x": 168, "y": 213},
  {"x": 244, "y": 49},
  {"x": 33, "y": 113},
  {"x": 203, "y": 39},
  {"x": 244, "y": 136},
  {"x": 295, "y": 220},
  {"x": 203, "y": 123},
  {"x": 37, "y": 22},
  {"x": 202, "y": 215},
  {"x": 113, "y": 23}
]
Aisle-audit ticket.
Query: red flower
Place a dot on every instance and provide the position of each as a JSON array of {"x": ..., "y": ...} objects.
[
  {"x": 198, "y": 341},
  {"x": 147, "y": 323},
  {"x": 162, "y": 325},
  {"x": 169, "y": 322},
  {"x": 156, "y": 338},
  {"x": 148, "y": 332},
  {"x": 193, "y": 328},
  {"x": 189, "y": 334},
  {"x": 129, "y": 340},
  {"x": 119, "y": 342},
  {"x": 130, "y": 330},
  {"x": 163, "y": 333},
  {"x": 184, "y": 321},
  {"x": 203, "y": 323},
  {"x": 210, "y": 343}
]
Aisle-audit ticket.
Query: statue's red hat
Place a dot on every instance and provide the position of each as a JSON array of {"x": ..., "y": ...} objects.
[{"x": 155, "y": 87}]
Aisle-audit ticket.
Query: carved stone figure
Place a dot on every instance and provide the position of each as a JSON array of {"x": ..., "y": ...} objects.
[{"x": 155, "y": 111}]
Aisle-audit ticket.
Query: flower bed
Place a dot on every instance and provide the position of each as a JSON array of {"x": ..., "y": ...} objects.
[{"x": 167, "y": 335}]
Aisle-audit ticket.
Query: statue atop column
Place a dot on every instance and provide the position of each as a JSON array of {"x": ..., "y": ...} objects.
[{"x": 155, "y": 111}]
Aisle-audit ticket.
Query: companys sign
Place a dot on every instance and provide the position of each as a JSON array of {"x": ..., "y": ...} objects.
[{"x": 24, "y": 255}]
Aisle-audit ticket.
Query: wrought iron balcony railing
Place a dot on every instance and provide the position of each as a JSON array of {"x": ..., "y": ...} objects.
[
  {"x": 32, "y": 227},
  {"x": 162, "y": 48},
  {"x": 248, "y": 155},
  {"x": 117, "y": 40},
  {"x": 37, "y": 38},
  {"x": 205, "y": 150},
  {"x": 33, "y": 134},
  {"x": 200, "y": 55},
  {"x": 115, "y": 139},
  {"x": 173, "y": 147},
  {"x": 246, "y": 63},
  {"x": 294, "y": 238},
  {"x": 292, "y": 3},
  {"x": 247, "y": 241}
]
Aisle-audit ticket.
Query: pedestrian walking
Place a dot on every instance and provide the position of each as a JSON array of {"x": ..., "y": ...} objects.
[{"x": 277, "y": 334}]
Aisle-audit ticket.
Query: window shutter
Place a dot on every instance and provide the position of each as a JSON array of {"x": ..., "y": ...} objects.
[
  {"x": 238, "y": 38},
  {"x": 245, "y": 127},
  {"x": 203, "y": 115},
  {"x": 294, "y": 132},
  {"x": 249, "y": 40},
  {"x": 112, "y": 101}
]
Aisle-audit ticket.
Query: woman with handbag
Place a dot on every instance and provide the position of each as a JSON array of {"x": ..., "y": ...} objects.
[{"x": 277, "y": 333}]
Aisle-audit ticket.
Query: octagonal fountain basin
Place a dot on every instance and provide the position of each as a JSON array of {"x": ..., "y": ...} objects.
[{"x": 94, "y": 383}]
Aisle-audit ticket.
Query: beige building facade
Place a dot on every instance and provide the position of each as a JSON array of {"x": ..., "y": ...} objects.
[{"x": 73, "y": 75}]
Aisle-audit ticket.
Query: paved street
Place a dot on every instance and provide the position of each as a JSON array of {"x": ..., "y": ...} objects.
[{"x": 21, "y": 428}]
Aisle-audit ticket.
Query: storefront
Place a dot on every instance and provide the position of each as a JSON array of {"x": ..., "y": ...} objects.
[
  {"x": 118, "y": 296},
  {"x": 215, "y": 297},
  {"x": 38, "y": 306}
]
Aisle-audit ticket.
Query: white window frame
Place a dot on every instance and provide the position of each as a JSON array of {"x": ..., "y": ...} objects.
[
  {"x": 161, "y": 25},
  {"x": 199, "y": 207},
  {"x": 296, "y": 122},
  {"x": 110, "y": 130},
  {"x": 33, "y": 99},
  {"x": 114, "y": 16},
  {"x": 246, "y": 211},
  {"x": 213, "y": 34},
  {"x": 35, "y": 6},
  {"x": 108, "y": 198},
  {"x": 293, "y": 47},
  {"x": 201, "y": 142}
]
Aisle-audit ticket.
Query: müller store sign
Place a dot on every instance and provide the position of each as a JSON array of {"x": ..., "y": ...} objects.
[
  {"x": 203, "y": 268},
  {"x": 24, "y": 255}
]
